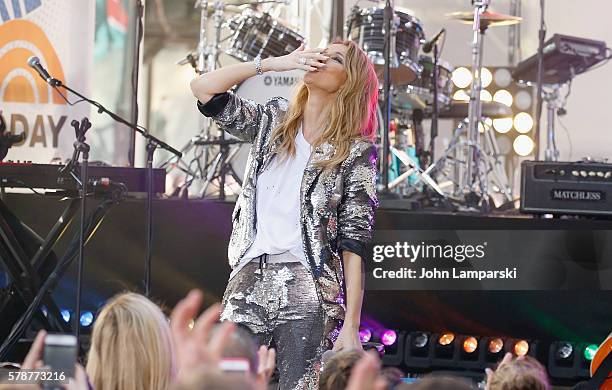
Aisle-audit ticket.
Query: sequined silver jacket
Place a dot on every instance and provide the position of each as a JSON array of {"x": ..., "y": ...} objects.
[{"x": 337, "y": 205}]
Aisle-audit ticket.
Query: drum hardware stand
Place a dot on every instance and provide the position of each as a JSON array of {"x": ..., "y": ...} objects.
[
  {"x": 220, "y": 166},
  {"x": 413, "y": 169},
  {"x": 551, "y": 98},
  {"x": 207, "y": 56},
  {"x": 473, "y": 162},
  {"x": 489, "y": 158},
  {"x": 388, "y": 19}
]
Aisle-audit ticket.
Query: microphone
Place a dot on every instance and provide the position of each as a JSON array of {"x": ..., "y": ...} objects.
[
  {"x": 430, "y": 44},
  {"x": 34, "y": 63}
]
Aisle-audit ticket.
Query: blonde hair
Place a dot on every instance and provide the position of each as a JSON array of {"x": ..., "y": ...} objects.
[
  {"x": 350, "y": 115},
  {"x": 519, "y": 374},
  {"x": 337, "y": 370},
  {"x": 131, "y": 346}
]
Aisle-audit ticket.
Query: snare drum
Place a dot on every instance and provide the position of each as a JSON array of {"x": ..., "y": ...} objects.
[
  {"x": 366, "y": 28},
  {"x": 260, "y": 34},
  {"x": 419, "y": 93}
]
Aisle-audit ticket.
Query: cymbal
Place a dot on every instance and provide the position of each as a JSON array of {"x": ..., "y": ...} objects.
[
  {"x": 459, "y": 110},
  {"x": 487, "y": 18}
]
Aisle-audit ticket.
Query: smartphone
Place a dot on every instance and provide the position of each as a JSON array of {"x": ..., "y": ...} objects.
[{"x": 60, "y": 353}]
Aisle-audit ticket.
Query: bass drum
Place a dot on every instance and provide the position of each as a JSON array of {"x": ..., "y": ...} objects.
[{"x": 260, "y": 89}]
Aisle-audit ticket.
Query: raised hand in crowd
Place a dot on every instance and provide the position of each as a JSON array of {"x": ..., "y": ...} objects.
[{"x": 195, "y": 349}]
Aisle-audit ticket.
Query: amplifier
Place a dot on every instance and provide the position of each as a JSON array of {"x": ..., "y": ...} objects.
[{"x": 566, "y": 188}]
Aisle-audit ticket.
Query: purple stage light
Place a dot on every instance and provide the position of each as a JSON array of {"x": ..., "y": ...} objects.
[
  {"x": 365, "y": 335},
  {"x": 388, "y": 337}
]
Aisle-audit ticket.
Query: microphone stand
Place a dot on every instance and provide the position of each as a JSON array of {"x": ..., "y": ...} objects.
[
  {"x": 388, "y": 17},
  {"x": 80, "y": 148},
  {"x": 539, "y": 81},
  {"x": 152, "y": 144},
  {"x": 435, "y": 107}
]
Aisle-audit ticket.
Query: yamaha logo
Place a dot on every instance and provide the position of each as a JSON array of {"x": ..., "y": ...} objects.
[{"x": 593, "y": 196}]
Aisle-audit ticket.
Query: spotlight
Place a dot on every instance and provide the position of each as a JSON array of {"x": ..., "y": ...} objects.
[
  {"x": 521, "y": 348},
  {"x": 590, "y": 351},
  {"x": 419, "y": 340},
  {"x": 447, "y": 350},
  {"x": 523, "y": 122},
  {"x": 485, "y": 96},
  {"x": 393, "y": 342},
  {"x": 502, "y": 125},
  {"x": 418, "y": 351},
  {"x": 485, "y": 77},
  {"x": 446, "y": 339},
  {"x": 65, "y": 315},
  {"x": 461, "y": 95},
  {"x": 388, "y": 337},
  {"x": 495, "y": 345},
  {"x": 503, "y": 96},
  {"x": 523, "y": 145},
  {"x": 502, "y": 77},
  {"x": 470, "y": 344},
  {"x": 365, "y": 335},
  {"x": 522, "y": 100},
  {"x": 562, "y": 362},
  {"x": 564, "y": 351},
  {"x": 462, "y": 77},
  {"x": 86, "y": 318}
]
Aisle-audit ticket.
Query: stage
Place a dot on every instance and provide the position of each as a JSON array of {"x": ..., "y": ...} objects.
[{"x": 190, "y": 243}]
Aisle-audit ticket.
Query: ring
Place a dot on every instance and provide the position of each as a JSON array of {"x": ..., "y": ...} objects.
[{"x": 302, "y": 60}]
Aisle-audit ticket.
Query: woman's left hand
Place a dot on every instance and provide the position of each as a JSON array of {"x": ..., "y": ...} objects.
[{"x": 348, "y": 338}]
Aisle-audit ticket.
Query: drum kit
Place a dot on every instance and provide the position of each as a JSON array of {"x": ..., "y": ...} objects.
[{"x": 415, "y": 86}]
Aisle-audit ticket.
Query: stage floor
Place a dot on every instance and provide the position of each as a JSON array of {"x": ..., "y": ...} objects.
[{"x": 190, "y": 243}]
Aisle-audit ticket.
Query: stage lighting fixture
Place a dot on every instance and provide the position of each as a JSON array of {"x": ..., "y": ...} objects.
[
  {"x": 521, "y": 348},
  {"x": 65, "y": 315},
  {"x": 523, "y": 145},
  {"x": 502, "y": 125},
  {"x": 462, "y": 77},
  {"x": 461, "y": 95},
  {"x": 564, "y": 351},
  {"x": 522, "y": 100},
  {"x": 504, "y": 97},
  {"x": 365, "y": 335},
  {"x": 485, "y": 96},
  {"x": 446, "y": 339},
  {"x": 495, "y": 346},
  {"x": 86, "y": 319},
  {"x": 446, "y": 350},
  {"x": 502, "y": 77},
  {"x": 419, "y": 340},
  {"x": 393, "y": 342},
  {"x": 523, "y": 122},
  {"x": 590, "y": 351},
  {"x": 470, "y": 344},
  {"x": 567, "y": 360},
  {"x": 485, "y": 77},
  {"x": 418, "y": 350},
  {"x": 388, "y": 337}
]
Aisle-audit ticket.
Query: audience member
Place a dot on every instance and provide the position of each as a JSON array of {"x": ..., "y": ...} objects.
[
  {"x": 522, "y": 373},
  {"x": 131, "y": 346}
]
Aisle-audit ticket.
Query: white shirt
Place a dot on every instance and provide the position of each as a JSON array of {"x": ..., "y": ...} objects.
[{"x": 278, "y": 206}]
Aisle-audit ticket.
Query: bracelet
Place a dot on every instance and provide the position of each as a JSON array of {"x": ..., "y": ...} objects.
[{"x": 257, "y": 62}]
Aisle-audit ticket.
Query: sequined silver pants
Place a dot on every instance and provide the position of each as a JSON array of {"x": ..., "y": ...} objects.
[{"x": 280, "y": 305}]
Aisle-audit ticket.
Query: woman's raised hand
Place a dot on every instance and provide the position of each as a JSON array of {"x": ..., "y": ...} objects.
[{"x": 300, "y": 58}]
